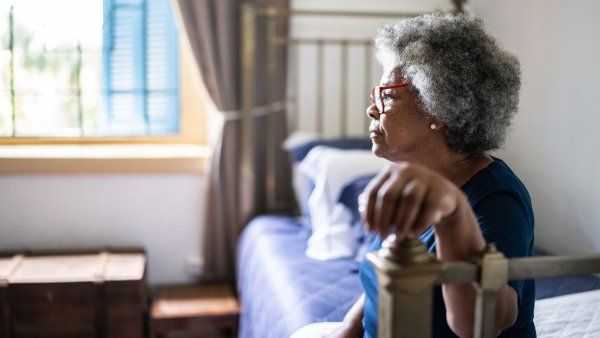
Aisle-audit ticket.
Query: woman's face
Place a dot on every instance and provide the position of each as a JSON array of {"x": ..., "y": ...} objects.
[{"x": 402, "y": 131}]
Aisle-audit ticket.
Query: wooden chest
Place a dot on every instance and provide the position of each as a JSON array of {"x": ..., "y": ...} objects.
[{"x": 73, "y": 295}]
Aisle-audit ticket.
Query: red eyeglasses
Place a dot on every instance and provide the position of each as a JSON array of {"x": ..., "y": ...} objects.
[{"x": 377, "y": 91}]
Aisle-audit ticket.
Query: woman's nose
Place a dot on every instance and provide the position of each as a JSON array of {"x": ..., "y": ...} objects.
[{"x": 373, "y": 112}]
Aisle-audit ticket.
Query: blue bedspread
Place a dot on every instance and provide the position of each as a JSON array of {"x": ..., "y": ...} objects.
[{"x": 281, "y": 290}]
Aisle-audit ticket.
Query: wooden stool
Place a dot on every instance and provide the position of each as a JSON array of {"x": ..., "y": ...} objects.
[{"x": 193, "y": 308}]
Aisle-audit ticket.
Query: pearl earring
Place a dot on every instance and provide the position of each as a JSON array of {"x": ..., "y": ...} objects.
[{"x": 433, "y": 126}]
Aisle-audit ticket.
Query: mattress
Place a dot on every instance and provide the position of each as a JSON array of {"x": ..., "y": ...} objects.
[
  {"x": 576, "y": 315},
  {"x": 281, "y": 289}
]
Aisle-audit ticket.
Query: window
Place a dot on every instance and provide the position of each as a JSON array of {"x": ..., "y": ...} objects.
[{"x": 81, "y": 68}]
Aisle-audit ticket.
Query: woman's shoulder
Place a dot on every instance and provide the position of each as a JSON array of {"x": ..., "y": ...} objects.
[
  {"x": 503, "y": 209},
  {"x": 497, "y": 179}
]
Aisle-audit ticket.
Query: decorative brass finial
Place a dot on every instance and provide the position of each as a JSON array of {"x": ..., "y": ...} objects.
[{"x": 408, "y": 251}]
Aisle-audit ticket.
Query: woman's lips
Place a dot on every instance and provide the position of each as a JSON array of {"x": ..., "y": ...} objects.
[{"x": 374, "y": 134}]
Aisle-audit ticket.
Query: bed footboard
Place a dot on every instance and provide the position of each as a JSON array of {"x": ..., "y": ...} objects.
[{"x": 406, "y": 275}]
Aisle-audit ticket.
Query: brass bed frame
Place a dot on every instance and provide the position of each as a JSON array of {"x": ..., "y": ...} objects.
[{"x": 406, "y": 271}]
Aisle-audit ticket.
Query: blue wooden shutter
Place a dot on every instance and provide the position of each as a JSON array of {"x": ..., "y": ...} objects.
[{"x": 141, "y": 71}]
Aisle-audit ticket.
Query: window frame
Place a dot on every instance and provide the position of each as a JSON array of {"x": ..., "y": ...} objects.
[
  {"x": 190, "y": 120},
  {"x": 193, "y": 101}
]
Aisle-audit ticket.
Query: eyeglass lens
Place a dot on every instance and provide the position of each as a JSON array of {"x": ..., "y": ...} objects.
[{"x": 376, "y": 98}]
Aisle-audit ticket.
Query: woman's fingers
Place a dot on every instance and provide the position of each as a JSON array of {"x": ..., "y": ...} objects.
[
  {"x": 386, "y": 204},
  {"x": 407, "y": 198},
  {"x": 369, "y": 197},
  {"x": 412, "y": 196},
  {"x": 440, "y": 203},
  {"x": 430, "y": 212}
]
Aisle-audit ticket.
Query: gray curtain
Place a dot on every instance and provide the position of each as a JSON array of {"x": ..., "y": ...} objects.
[{"x": 213, "y": 30}]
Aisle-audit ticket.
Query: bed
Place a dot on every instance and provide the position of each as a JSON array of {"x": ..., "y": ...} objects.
[{"x": 281, "y": 289}]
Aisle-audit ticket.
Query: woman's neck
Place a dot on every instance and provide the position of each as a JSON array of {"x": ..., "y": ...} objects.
[{"x": 458, "y": 168}]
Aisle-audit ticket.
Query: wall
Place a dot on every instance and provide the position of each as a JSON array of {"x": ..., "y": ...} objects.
[
  {"x": 161, "y": 213},
  {"x": 555, "y": 142}
]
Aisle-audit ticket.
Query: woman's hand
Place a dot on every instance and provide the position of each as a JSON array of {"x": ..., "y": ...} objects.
[
  {"x": 352, "y": 324},
  {"x": 407, "y": 197},
  {"x": 345, "y": 331}
]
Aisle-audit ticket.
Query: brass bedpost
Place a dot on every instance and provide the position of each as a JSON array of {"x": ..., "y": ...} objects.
[
  {"x": 272, "y": 85},
  {"x": 248, "y": 52},
  {"x": 368, "y": 78},
  {"x": 406, "y": 273},
  {"x": 320, "y": 87}
]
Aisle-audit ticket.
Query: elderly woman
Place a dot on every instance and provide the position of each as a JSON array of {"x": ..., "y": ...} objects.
[{"x": 446, "y": 98}]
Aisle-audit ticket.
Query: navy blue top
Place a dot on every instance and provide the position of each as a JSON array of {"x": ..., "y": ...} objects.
[{"x": 503, "y": 208}]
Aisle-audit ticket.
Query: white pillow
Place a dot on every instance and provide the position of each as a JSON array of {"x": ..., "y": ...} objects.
[
  {"x": 334, "y": 239},
  {"x": 298, "y": 138},
  {"x": 299, "y": 181},
  {"x": 332, "y": 169}
]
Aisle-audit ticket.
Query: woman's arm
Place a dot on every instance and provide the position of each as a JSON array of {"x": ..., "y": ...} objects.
[
  {"x": 458, "y": 238},
  {"x": 411, "y": 197},
  {"x": 352, "y": 324}
]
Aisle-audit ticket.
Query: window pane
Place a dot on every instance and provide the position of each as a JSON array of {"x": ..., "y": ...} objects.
[
  {"x": 45, "y": 95},
  {"x": 46, "y": 114},
  {"x": 56, "y": 60},
  {"x": 91, "y": 93},
  {"x": 5, "y": 106},
  {"x": 88, "y": 68}
]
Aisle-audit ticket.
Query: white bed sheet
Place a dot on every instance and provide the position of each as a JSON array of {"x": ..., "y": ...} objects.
[{"x": 575, "y": 315}]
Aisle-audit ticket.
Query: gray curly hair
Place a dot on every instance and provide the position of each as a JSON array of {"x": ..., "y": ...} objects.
[{"x": 463, "y": 77}]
